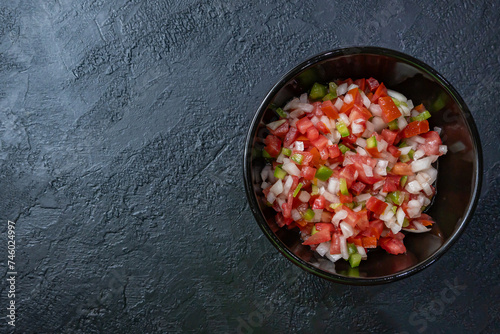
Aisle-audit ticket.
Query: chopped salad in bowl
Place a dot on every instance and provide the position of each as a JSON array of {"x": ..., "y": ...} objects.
[{"x": 351, "y": 164}]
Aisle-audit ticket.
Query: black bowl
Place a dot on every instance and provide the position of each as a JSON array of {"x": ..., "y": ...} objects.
[{"x": 460, "y": 170}]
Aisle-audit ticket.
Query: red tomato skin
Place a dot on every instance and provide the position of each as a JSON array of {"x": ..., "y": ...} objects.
[
  {"x": 392, "y": 245},
  {"x": 312, "y": 133},
  {"x": 273, "y": 145},
  {"x": 303, "y": 124},
  {"x": 319, "y": 237},
  {"x": 376, "y": 206},
  {"x": 389, "y": 110},
  {"x": 432, "y": 142},
  {"x": 389, "y": 136},
  {"x": 291, "y": 136},
  {"x": 415, "y": 128},
  {"x": 308, "y": 172},
  {"x": 372, "y": 84},
  {"x": 281, "y": 130},
  {"x": 329, "y": 109}
]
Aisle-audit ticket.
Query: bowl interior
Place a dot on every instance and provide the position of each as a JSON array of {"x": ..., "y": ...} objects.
[{"x": 459, "y": 170}]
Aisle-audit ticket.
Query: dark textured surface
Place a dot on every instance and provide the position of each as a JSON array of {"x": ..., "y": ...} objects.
[{"x": 121, "y": 130}]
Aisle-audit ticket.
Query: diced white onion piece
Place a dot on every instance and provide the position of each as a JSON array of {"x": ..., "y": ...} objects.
[
  {"x": 366, "y": 100},
  {"x": 357, "y": 126},
  {"x": 375, "y": 109},
  {"x": 443, "y": 149},
  {"x": 280, "y": 158},
  {"x": 333, "y": 185},
  {"x": 381, "y": 167},
  {"x": 361, "y": 151},
  {"x": 432, "y": 172},
  {"x": 413, "y": 187},
  {"x": 368, "y": 170},
  {"x": 343, "y": 248},
  {"x": 306, "y": 107},
  {"x": 400, "y": 216},
  {"x": 382, "y": 145},
  {"x": 265, "y": 173},
  {"x": 418, "y": 139},
  {"x": 414, "y": 113},
  {"x": 378, "y": 184},
  {"x": 363, "y": 197},
  {"x": 323, "y": 248},
  {"x": 333, "y": 257},
  {"x": 405, "y": 150},
  {"x": 358, "y": 208},
  {"x": 370, "y": 128},
  {"x": 402, "y": 123},
  {"x": 388, "y": 213},
  {"x": 405, "y": 110},
  {"x": 288, "y": 185},
  {"x": 410, "y": 104},
  {"x": 378, "y": 123},
  {"x": 352, "y": 86},
  {"x": 295, "y": 114},
  {"x": 342, "y": 89},
  {"x": 274, "y": 125},
  {"x": 291, "y": 169},
  {"x": 265, "y": 185},
  {"x": 347, "y": 229},
  {"x": 362, "y": 252},
  {"x": 339, "y": 103},
  {"x": 361, "y": 142},
  {"x": 296, "y": 214},
  {"x": 397, "y": 95},
  {"x": 317, "y": 215},
  {"x": 292, "y": 104},
  {"x": 277, "y": 188},
  {"x": 330, "y": 197},
  {"x": 299, "y": 145},
  {"x": 418, "y": 154},
  {"x": 438, "y": 130},
  {"x": 395, "y": 228},
  {"x": 419, "y": 228},
  {"x": 280, "y": 201},
  {"x": 345, "y": 119},
  {"x": 315, "y": 120},
  {"x": 304, "y": 196},
  {"x": 423, "y": 179},
  {"x": 341, "y": 214},
  {"x": 303, "y": 98},
  {"x": 413, "y": 208},
  {"x": 348, "y": 98},
  {"x": 418, "y": 165},
  {"x": 271, "y": 197}
]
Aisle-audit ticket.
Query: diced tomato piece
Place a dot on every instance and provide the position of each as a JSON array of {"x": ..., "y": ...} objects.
[
  {"x": 334, "y": 151},
  {"x": 335, "y": 244},
  {"x": 372, "y": 84},
  {"x": 360, "y": 112},
  {"x": 325, "y": 226},
  {"x": 360, "y": 83},
  {"x": 320, "y": 142},
  {"x": 380, "y": 92},
  {"x": 391, "y": 183},
  {"x": 352, "y": 217},
  {"x": 389, "y": 110},
  {"x": 329, "y": 109},
  {"x": 362, "y": 222},
  {"x": 346, "y": 108},
  {"x": 281, "y": 130},
  {"x": 355, "y": 240},
  {"x": 290, "y": 137},
  {"x": 420, "y": 108},
  {"x": 357, "y": 188},
  {"x": 316, "y": 156},
  {"x": 392, "y": 245},
  {"x": 319, "y": 203},
  {"x": 312, "y": 133},
  {"x": 303, "y": 138},
  {"x": 432, "y": 142},
  {"x": 415, "y": 128},
  {"x": 322, "y": 127},
  {"x": 425, "y": 219},
  {"x": 324, "y": 153},
  {"x": 287, "y": 210},
  {"x": 358, "y": 161},
  {"x": 348, "y": 173},
  {"x": 375, "y": 205},
  {"x": 326, "y": 217},
  {"x": 319, "y": 237},
  {"x": 273, "y": 145},
  {"x": 369, "y": 242},
  {"x": 345, "y": 198},
  {"x": 373, "y": 151},
  {"x": 303, "y": 124},
  {"x": 394, "y": 151},
  {"x": 401, "y": 168},
  {"x": 375, "y": 228},
  {"x": 351, "y": 139},
  {"x": 389, "y": 136},
  {"x": 308, "y": 172},
  {"x": 307, "y": 156}
]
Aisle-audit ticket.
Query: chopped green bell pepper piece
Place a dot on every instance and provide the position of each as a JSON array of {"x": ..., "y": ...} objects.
[
  {"x": 404, "y": 104},
  {"x": 353, "y": 272},
  {"x": 393, "y": 125},
  {"x": 332, "y": 88},
  {"x": 402, "y": 144},
  {"x": 351, "y": 248},
  {"x": 314, "y": 190},
  {"x": 396, "y": 102},
  {"x": 279, "y": 173},
  {"x": 296, "y": 191},
  {"x": 404, "y": 158},
  {"x": 342, "y": 128},
  {"x": 317, "y": 91},
  {"x": 410, "y": 154},
  {"x": 329, "y": 96},
  {"x": 394, "y": 209},
  {"x": 286, "y": 151},
  {"x": 403, "y": 181},
  {"x": 343, "y": 148},
  {"x": 395, "y": 197},
  {"x": 308, "y": 215},
  {"x": 406, "y": 222},
  {"x": 349, "y": 205},
  {"x": 323, "y": 173},
  {"x": 281, "y": 113},
  {"x": 343, "y": 187},
  {"x": 335, "y": 205},
  {"x": 265, "y": 154},
  {"x": 371, "y": 142},
  {"x": 314, "y": 230},
  {"x": 297, "y": 158},
  {"x": 355, "y": 260},
  {"x": 422, "y": 116}
]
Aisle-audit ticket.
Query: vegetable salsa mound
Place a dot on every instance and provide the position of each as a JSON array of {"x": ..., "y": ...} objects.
[{"x": 351, "y": 165}]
